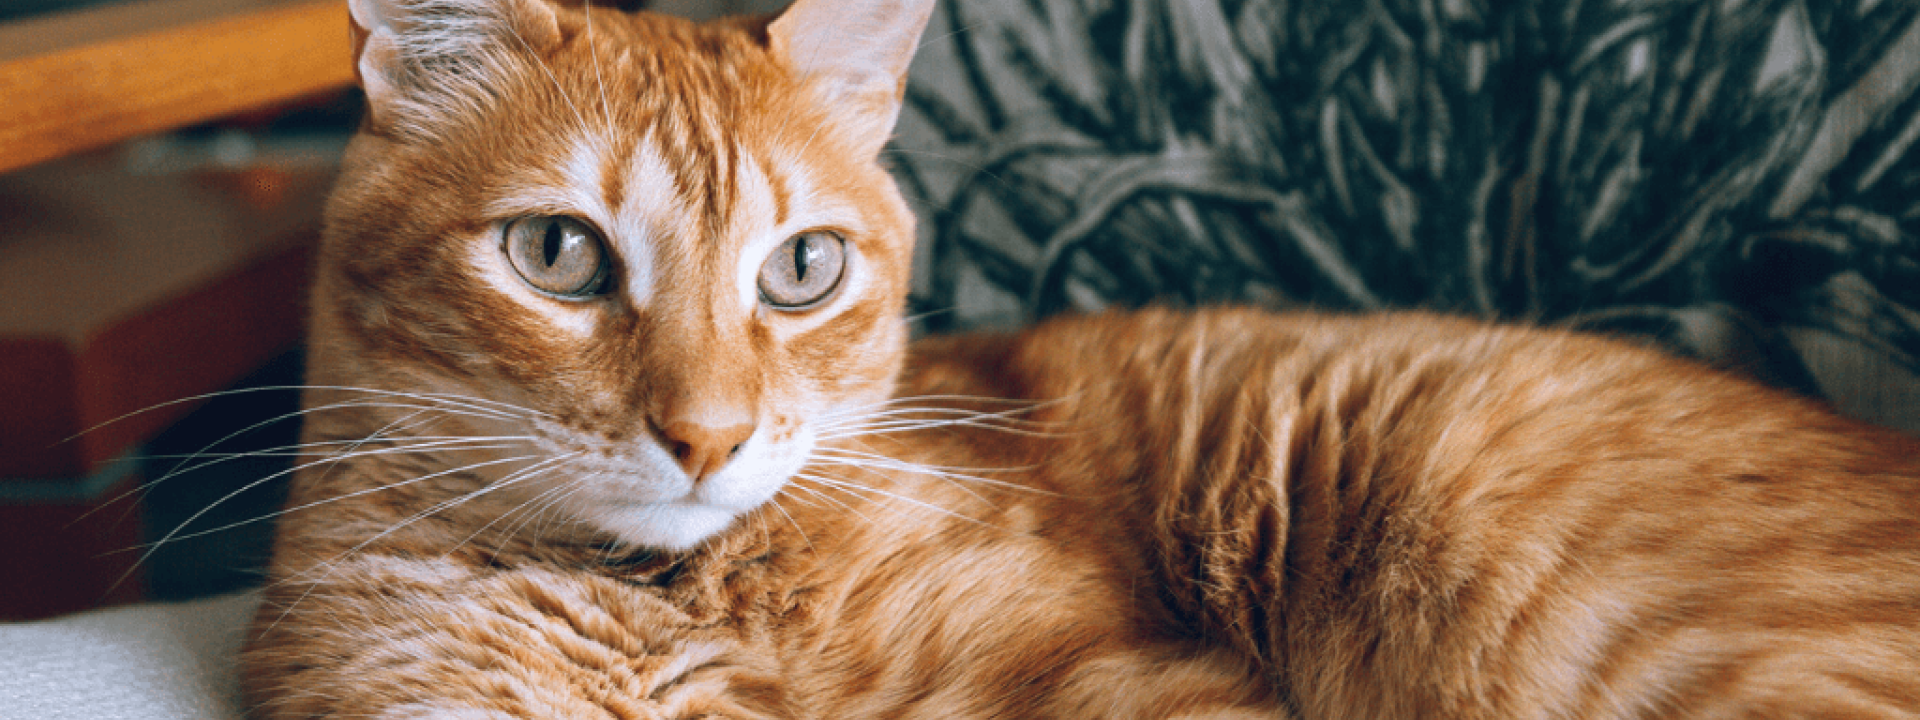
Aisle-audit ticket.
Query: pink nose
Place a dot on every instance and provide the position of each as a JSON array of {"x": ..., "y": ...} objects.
[{"x": 703, "y": 450}]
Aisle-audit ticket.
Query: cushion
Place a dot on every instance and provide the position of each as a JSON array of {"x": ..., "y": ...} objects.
[{"x": 144, "y": 662}]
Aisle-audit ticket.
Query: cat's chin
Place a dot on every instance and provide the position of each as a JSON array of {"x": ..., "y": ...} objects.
[{"x": 665, "y": 526}]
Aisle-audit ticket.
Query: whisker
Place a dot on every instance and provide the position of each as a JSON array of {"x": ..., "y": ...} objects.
[
  {"x": 599, "y": 138},
  {"x": 559, "y": 492},
  {"x": 975, "y": 167},
  {"x": 904, "y": 400},
  {"x": 893, "y": 427},
  {"x": 795, "y": 484},
  {"x": 606, "y": 108},
  {"x": 856, "y": 487},
  {"x": 514, "y": 477},
  {"x": 918, "y": 317},
  {"x": 547, "y": 514},
  {"x": 467, "y": 409},
  {"x": 501, "y": 410},
  {"x": 331, "y": 564},
  {"x": 916, "y": 405},
  {"x": 796, "y": 527},
  {"x": 408, "y": 424},
  {"x": 351, "y": 404},
  {"x": 498, "y": 408},
  {"x": 352, "y": 449},
  {"x": 269, "y": 516},
  {"x": 905, "y": 467},
  {"x": 296, "y": 450},
  {"x": 849, "y": 456},
  {"x": 377, "y": 434},
  {"x": 169, "y": 537},
  {"x": 318, "y": 447},
  {"x": 898, "y": 416},
  {"x": 929, "y": 41},
  {"x": 930, "y": 413},
  {"x": 448, "y": 504},
  {"x": 796, "y": 498}
]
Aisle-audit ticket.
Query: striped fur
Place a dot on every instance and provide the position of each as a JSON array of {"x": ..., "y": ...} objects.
[{"x": 1220, "y": 514}]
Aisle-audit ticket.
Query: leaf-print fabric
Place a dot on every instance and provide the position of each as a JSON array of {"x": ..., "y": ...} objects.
[{"x": 1733, "y": 178}]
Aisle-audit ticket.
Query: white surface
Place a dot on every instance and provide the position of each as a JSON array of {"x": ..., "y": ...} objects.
[{"x": 146, "y": 662}]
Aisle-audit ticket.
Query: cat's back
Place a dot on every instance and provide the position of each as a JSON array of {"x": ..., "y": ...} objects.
[
  {"x": 1415, "y": 515},
  {"x": 1421, "y": 384}
]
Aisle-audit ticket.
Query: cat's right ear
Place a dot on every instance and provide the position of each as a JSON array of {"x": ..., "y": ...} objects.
[
  {"x": 855, "y": 54},
  {"x": 375, "y": 64},
  {"x": 422, "y": 62}
]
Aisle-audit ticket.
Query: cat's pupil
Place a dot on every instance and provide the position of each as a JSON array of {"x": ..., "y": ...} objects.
[
  {"x": 550, "y": 244},
  {"x": 802, "y": 253}
]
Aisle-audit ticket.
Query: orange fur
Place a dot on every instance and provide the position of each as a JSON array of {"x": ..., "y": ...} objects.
[{"x": 1219, "y": 514}]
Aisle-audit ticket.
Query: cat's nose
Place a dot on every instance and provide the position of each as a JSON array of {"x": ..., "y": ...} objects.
[{"x": 702, "y": 450}]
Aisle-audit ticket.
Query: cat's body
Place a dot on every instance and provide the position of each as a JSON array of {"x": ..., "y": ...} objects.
[
  {"x": 642, "y": 489},
  {"x": 1394, "y": 516}
]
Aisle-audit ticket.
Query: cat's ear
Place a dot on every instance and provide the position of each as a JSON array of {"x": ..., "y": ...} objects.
[
  {"x": 423, "y": 61},
  {"x": 855, "y": 53}
]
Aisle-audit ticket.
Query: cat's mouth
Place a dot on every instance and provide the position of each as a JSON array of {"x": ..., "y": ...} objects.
[
  {"x": 633, "y": 488},
  {"x": 641, "y": 495}
]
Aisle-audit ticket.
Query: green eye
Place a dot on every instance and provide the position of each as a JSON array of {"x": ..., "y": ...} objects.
[
  {"x": 558, "y": 255},
  {"x": 803, "y": 271}
]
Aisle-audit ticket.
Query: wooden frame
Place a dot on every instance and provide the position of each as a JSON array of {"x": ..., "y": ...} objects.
[{"x": 80, "y": 80}]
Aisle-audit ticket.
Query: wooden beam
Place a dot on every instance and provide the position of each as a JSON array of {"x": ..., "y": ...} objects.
[{"x": 99, "y": 92}]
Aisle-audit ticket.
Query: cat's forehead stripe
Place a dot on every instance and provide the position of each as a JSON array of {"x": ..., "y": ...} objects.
[
  {"x": 702, "y": 140},
  {"x": 692, "y": 175},
  {"x": 647, "y": 203},
  {"x": 584, "y": 177},
  {"x": 776, "y": 186},
  {"x": 613, "y": 175},
  {"x": 754, "y": 221}
]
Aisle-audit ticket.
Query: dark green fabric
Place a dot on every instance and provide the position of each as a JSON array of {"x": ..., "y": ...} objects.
[{"x": 1732, "y": 178}]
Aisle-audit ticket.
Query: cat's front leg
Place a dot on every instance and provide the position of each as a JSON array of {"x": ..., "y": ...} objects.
[{"x": 413, "y": 639}]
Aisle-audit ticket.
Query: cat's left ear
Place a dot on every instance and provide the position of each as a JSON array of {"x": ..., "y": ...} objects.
[
  {"x": 855, "y": 53},
  {"x": 424, "y": 62}
]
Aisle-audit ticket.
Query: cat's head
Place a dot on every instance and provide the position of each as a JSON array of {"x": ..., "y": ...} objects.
[{"x": 669, "y": 246}]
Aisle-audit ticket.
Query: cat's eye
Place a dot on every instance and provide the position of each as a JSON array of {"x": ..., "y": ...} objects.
[
  {"x": 803, "y": 271},
  {"x": 558, "y": 255}
]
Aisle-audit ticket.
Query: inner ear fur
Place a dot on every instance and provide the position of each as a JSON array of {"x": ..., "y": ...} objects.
[
  {"x": 420, "y": 59},
  {"x": 855, "y": 54}
]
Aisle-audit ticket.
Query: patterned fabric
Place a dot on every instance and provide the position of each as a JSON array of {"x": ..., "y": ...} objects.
[{"x": 1732, "y": 178}]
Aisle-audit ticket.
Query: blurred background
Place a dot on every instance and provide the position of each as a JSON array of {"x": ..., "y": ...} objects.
[{"x": 1730, "y": 181}]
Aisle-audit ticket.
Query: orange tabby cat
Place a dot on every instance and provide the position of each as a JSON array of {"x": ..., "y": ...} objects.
[{"x": 608, "y": 345}]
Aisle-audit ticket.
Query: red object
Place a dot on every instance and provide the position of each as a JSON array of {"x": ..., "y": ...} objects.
[
  {"x": 68, "y": 537},
  {"x": 66, "y": 556}
]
